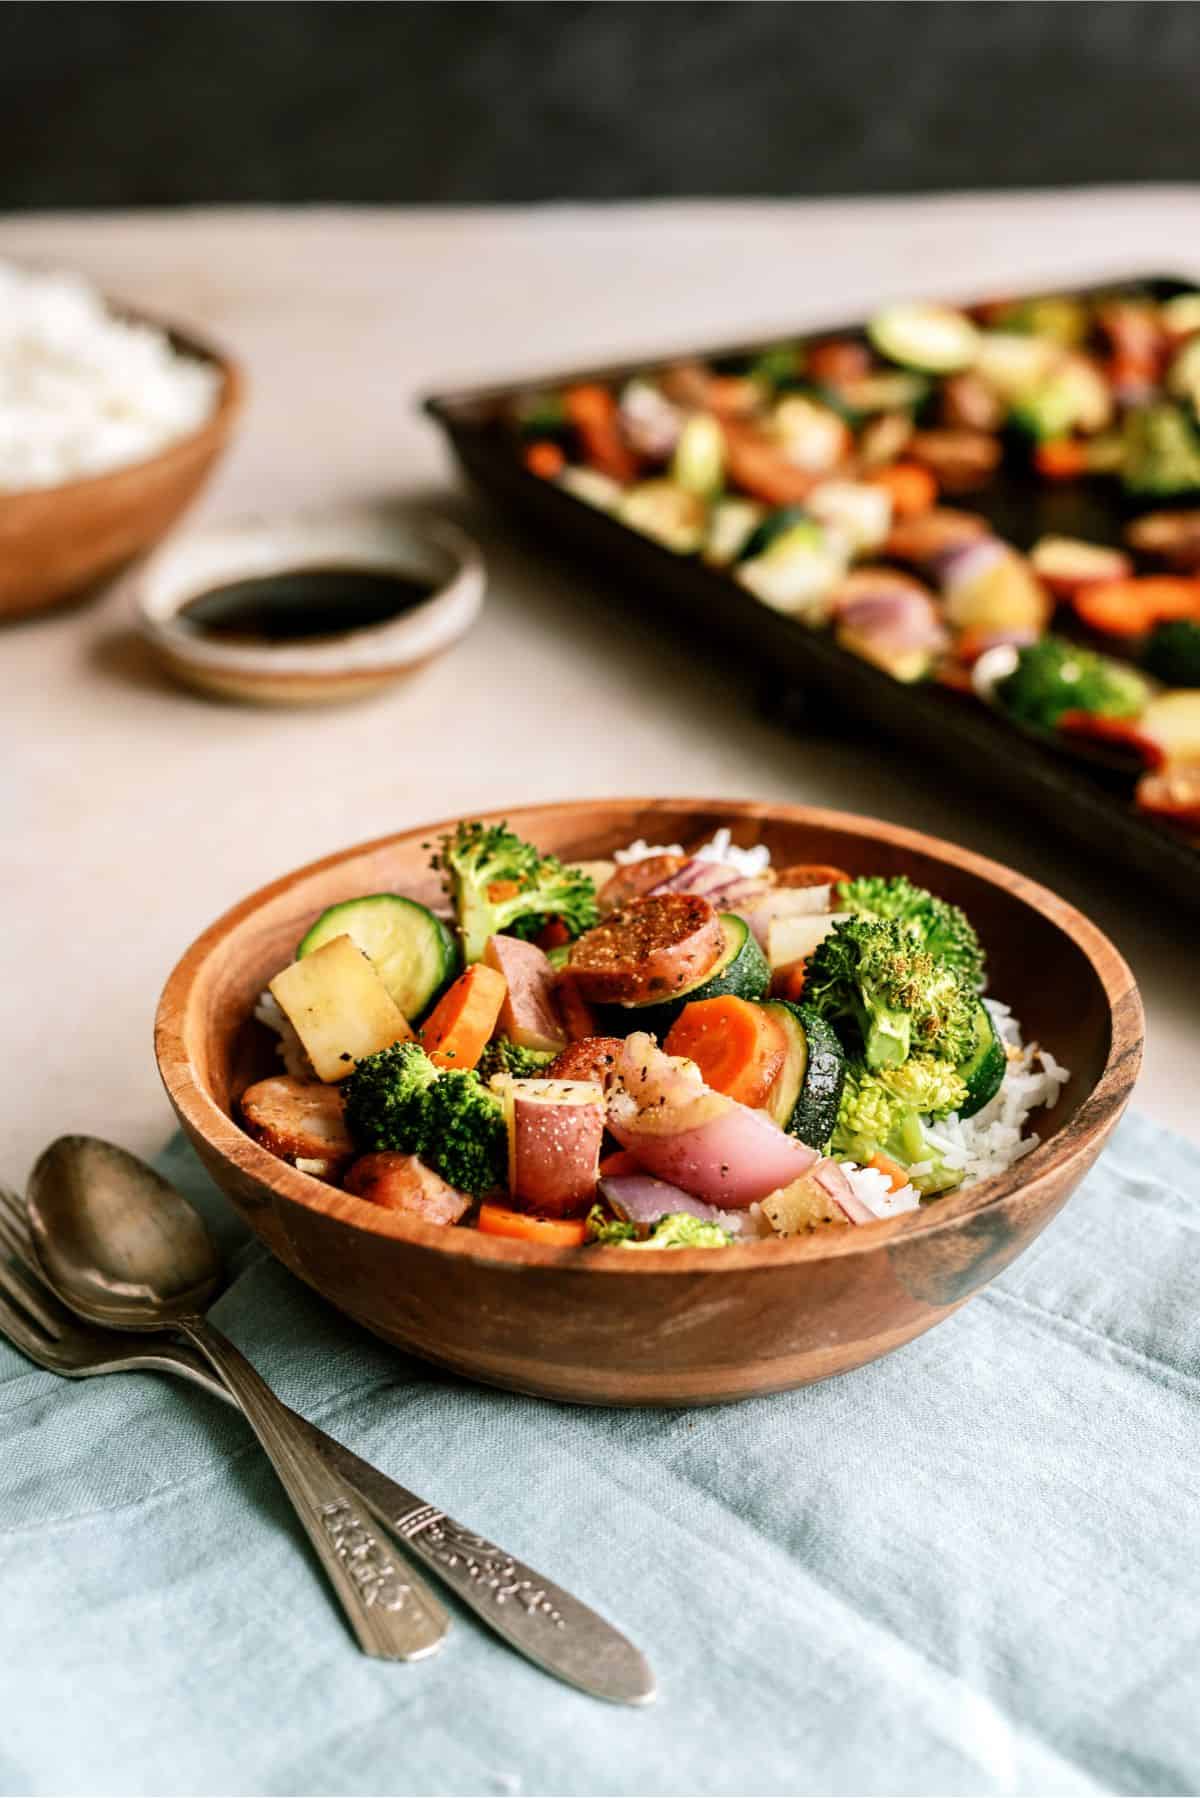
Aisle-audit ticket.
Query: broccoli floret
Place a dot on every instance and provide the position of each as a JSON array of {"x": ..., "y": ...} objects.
[
  {"x": 467, "y": 1143},
  {"x": 933, "y": 923},
  {"x": 497, "y": 882},
  {"x": 1053, "y": 676},
  {"x": 869, "y": 975},
  {"x": 1173, "y": 653},
  {"x": 397, "y": 1099},
  {"x": 873, "y": 1121},
  {"x": 1161, "y": 451},
  {"x": 680, "y": 1230},
  {"x": 504, "y": 1057},
  {"x": 930, "y": 1086},
  {"x": 603, "y": 1228},
  {"x": 386, "y": 1096}
]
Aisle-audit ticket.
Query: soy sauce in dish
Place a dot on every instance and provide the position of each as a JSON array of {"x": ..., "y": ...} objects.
[{"x": 297, "y": 605}]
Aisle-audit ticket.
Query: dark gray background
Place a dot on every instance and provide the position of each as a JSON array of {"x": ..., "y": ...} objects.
[{"x": 104, "y": 105}]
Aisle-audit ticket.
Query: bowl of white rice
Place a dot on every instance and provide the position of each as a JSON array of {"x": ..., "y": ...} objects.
[{"x": 109, "y": 425}]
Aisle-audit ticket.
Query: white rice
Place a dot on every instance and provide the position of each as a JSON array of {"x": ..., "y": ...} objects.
[
  {"x": 721, "y": 848},
  {"x": 289, "y": 1048},
  {"x": 81, "y": 391}
]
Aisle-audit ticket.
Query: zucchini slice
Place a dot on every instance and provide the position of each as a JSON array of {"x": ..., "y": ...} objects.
[
  {"x": 413, "y": 952},
  {"x": 935, "y": 339},
  {"x": 741, "y": 969},
  {"x": 984, "y": 1069},
  {"x": 808, "y": 1090},
  {"x": 667, "y": 512},
  {"x": 699, "y": 463}
]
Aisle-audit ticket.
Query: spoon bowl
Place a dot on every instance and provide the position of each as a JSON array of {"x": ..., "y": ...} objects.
[{"x": 116, "y": 1240}]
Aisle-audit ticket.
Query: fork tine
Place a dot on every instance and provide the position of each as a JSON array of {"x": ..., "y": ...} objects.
[
  {"x": 12, "y": 1211},
  {"x": 28, "y": 1292},
  {"x": 24, "y": 1334}
]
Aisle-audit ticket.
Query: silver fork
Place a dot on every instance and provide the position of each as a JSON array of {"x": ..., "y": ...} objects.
[{"x": 540, "y": 1620}]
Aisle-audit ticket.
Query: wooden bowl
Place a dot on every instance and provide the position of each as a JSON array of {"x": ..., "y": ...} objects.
[
  {"x": 57, "y": 542},
  {"x": 692, "y": 1326}
]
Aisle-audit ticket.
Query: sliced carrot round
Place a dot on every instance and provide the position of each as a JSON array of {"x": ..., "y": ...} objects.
[
  {"x": 545, "y": 459},
  {"x": 1130, "y": 608},
  {"x": 553, "y": 1232},
  {"x": 913, "y": 489},
  {"x": 738, "y": 1047}
]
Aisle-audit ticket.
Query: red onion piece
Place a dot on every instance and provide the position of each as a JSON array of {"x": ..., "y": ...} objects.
[{"x": 643, "y": 1200}]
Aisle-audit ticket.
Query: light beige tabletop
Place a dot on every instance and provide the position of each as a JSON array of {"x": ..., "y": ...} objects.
[{"x": 133, "y": 813}]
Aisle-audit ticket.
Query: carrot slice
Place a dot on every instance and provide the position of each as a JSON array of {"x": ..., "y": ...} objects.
[
  {"x": 1130, "y": 608},
  {"x": 545, "y": 459},
  {"x": 788, "y": 982},
  {"x": 461, "y": 1024},
  {"x": 738, "y": 1047},
  {"x": 1062, "y": 459},
  {"x": 913, "y": 489},
  {"x": 896, "y": 1175},
  {"x": 618, "y": 1164},
  {"x": 553, "y": 935},
  {"x": 578, "y": 1018},
  {"x": 554, "y": 1232},
  {"x": 592, "y": 410}
]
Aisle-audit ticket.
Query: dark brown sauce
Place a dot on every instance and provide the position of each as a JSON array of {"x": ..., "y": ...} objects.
[{"x": 298, "y": 605}]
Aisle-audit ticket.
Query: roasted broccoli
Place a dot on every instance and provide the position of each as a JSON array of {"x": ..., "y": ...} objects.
[
  {"x": 1053, "y": 676},
  {"x": 874, "y": 1121},
  {"x": 397, "y": 1099},
  {"x": 1161, "y": 451},
  {"x": 930, "y": 1086},
  {"x": 603, "y": 1228},
  {"x": 1173, "y": 653},
  {"x": 933, "y": 923},
  {"x": 497, "y": 882},
  {"x": 680, "y": 1230},
  {"x": 504, "y": 1057},
  {"x": 870, "y": 975},
  {"x": 386, "y": 1096}
]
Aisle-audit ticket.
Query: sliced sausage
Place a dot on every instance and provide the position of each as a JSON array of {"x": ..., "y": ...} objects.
[
  {"x": 961, "y": 460},
  {"x": 1172, "y": 537},
  {"x": 402, "y": 1183},
  {"x": 592, "y": 1058},
  {"x": 527, "y": 1015},
  {"x": 298, "y": 1120},
  {"x": 931, "y": 534},
  {"x": 648, "y": 949},
  {"x": 811, "y": 874},
  {"x": 636, "y": 879}
]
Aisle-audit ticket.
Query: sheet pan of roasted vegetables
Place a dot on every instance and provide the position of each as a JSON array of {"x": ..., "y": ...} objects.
[{"x": 996, "y": 506}]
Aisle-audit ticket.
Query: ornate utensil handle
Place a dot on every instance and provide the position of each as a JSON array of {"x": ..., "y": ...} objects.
[
  {"x": 539, "y": 1619},
  {"x": 389, "y": 1607}
]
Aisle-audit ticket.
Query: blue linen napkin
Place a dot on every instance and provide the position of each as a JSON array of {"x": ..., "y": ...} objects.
[{"x": 973, "y": 1567}]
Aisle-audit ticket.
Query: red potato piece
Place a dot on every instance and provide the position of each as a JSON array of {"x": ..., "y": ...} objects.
[
  {"x": 635, "y": 879},
  {"x": 298, "y": 1120},
  {"x": 1065, "y": 564},
  {"x": 648, "y": 949},
  {"x": 838, "y": 359},
  {"x": 555, "y": 1129},
  {"x": 591, "y": 1058},
  {"x": 1119, "y": 733},
  {"x": 928, "y": 535},
  {"x": 528, "y": 1014},
  {"x": 403, "y": 1183},
  {"x": 1173, "y": 795}
]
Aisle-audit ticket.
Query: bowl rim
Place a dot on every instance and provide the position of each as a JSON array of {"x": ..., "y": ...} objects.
[
  {"x": 215, "y": 427},
  {"x": 1098, "y": 1112}
]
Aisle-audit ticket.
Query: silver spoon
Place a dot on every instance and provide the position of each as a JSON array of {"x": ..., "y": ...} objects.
[
  {"x": 126, "y": 1250},
  {"x": 538, "y": 1618}
]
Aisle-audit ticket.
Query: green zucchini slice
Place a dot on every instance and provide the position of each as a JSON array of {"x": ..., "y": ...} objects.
[{"x": 412, "y": 951}]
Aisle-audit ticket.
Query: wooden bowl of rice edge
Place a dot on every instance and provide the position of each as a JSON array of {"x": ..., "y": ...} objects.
[
  {"x": 693, "y": 1326},
  {"x": 58, "y": 544}
]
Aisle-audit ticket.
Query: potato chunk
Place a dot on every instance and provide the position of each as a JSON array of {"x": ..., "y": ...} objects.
[{"x": 339, "y": 1008}]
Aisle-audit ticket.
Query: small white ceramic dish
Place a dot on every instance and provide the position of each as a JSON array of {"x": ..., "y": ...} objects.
[{"x": 352, "y": 663}]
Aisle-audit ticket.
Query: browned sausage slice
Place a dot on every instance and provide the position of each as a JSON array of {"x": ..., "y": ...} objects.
[
  {"x": 298, "y": 1120},
  {"x": 402, "y": 1183},
  {"x": 931, "y": 534},
  {"x": 591, "y": 1058},
  {"x": 636, "y": 879},
  {"x": 648, "y": 949},
  {"x": 811, "y": 874}
]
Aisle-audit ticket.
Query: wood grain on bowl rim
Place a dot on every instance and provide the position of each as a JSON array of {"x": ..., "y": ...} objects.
[{"x": 204, "y": 1118}]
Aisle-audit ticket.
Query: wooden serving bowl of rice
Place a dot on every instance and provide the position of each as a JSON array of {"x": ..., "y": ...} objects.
[
  {"x": 693, "y": 1326},
  {"x": 59, "y": 542}
]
